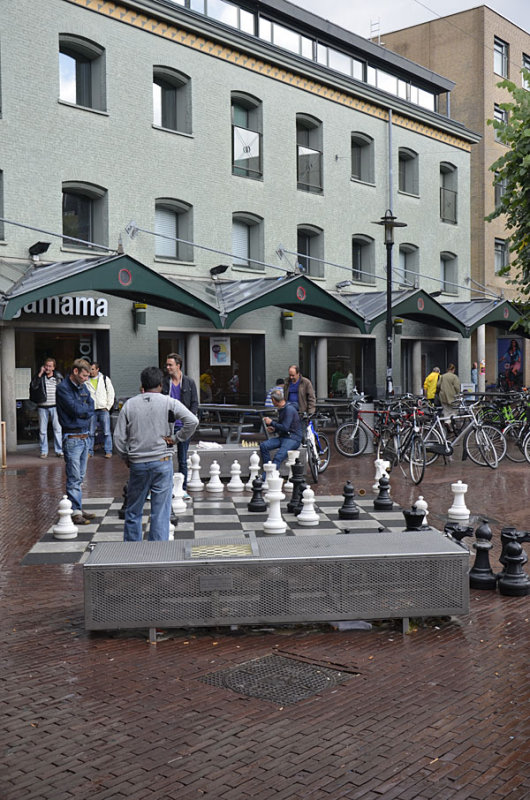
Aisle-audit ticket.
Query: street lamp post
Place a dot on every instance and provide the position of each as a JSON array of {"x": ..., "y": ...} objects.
[{"x": 389, "y": 222}]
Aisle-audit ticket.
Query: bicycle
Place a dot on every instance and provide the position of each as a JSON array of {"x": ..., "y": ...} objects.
[
  {"x": 351, "y": 438},
  {"x": 401, "y": 441},
  {"x": 317, "y": 446}
]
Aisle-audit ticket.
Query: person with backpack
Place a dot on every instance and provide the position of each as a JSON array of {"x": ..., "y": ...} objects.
[{"x": 102, "y": 393}]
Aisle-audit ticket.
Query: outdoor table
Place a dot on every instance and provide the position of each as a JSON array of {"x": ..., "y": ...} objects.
[{"x": 230, "y": 419}]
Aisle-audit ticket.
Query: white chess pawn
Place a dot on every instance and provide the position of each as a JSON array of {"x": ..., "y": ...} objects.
[
  {"x": 292, "y": 455},
  {"x": 178, "y": 503},
  {"x": 253, "y": 470},
  {"x": 274, "y": 523},
  {"x": 458, "y": 511},
  {"x": 308, "y": 516},
  {"x": 235, "y": 484},
  {"x": 421, "y": 505},
  {"x": 268, "y": 468},
  {"x": 214, "y": 484},
  {"x": 65, "y": 528},
  {"x": 171, "y": 532},
  {"x": 194, "y": 483},
  {"x": 382, "y": 467}
]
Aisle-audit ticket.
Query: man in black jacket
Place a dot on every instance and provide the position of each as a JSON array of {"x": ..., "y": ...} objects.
[
  {"x": 42, "y": 391},
  {"x": 180, "y": 387}
]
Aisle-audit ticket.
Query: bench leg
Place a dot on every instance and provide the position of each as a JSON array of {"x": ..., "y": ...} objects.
[{"x": 152, "y": 636}]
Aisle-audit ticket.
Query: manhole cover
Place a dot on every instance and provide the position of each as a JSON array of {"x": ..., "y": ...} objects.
[{"x": 280, "y": 680}]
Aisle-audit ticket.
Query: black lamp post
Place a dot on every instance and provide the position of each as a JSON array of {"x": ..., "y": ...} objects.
[{"x": 389, "y": 222}]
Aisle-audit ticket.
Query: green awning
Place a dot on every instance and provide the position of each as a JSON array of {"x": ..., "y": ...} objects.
[{"x": 474, "y": 313}]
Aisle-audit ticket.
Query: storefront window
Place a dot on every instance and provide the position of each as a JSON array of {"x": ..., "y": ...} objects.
[
  {"x": 225, "y": 369},
  {"x": 351, "y": 361}
]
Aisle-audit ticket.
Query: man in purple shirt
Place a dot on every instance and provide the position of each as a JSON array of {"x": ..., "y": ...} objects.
[{"x": 181, "y": 388}]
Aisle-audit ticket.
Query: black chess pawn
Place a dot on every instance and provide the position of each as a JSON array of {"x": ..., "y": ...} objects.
[
  {"x": 383, "y": 502},
  {"x": 513, "y": 580},
  {"x": 349, "y": 510},
  {"x": 481, "y": 576},
  {"x": 299, "y": 500},
  {"x": 508, "y": 534},
  {"x": 298, "y": 480},
  {"x": 257, "y": 503},
  {"x": 121, "y": 512}
]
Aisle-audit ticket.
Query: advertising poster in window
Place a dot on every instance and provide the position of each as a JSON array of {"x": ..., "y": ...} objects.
[
  {"x": 510, "y": 362},
  {"x": 219, "y": 351}
]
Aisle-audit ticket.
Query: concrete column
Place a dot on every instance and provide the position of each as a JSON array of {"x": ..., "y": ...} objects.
[
  {"x": 9, "y": 400},
  {"x": 192, "y": 364},
  {"x": 481, "y": 357},
  {"x": 417, "y": 383},
  {"x": 321, "y": 387}
]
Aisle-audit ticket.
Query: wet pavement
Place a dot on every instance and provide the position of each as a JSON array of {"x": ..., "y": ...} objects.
[{"x": 442, "y": 712}]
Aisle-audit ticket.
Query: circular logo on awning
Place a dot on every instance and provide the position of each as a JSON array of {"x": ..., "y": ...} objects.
[
  {"x": 124, "y": 277},
  {"x": 421, "y": 304},
  {"x": 300, "y": 293},
  {"x": 506, "y": 313}
]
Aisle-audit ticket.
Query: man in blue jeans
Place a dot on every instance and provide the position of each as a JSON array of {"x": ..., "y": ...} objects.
[
  {"x": 180, "y": 387},
  {"x": 144, "y": 437},
  {"x": 75, "y": 409},
  {"x": 288, "y": 429}
]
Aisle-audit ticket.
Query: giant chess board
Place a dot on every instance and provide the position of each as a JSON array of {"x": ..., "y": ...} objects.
[{"x": 209, "y": 517}]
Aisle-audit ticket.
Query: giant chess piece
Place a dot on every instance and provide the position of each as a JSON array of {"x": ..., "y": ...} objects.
[
  {"x": 414, "y": 518},
  {"x": 508, "y": 534},
  {"x": 513, "y": 580},
  {"x": 481, "y": 575},
  {"x": 253, "y": 471},
  {"x": 298, "y": 481},
  {"x": 349, "y": 510},
  {"x": 235, "y": 484},
  {"x": 382, "y": 467},
  {"x": 65, "y": 528},
  {"x": 214, "y": 484},
  {"x": 308, "y": 517},
  {"x": 292, "y": 455},
  {"x": 178, "y": 504},
  {"x": 421, "y": 505},
  {"x": 171, "y": 536},
  {"x": 257, "y": 504},
  {"x": 268, "y": 469},
  {"x": 458, "y": 532},
  {"x": 458, "y": 512},
  {"x": 121, "y": 512},
  {"x": 383, "y": 502},
  {"x": 275, "y": 523},
  {"x": 194, "y": 481}
]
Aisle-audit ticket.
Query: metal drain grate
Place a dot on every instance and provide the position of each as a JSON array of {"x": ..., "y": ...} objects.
[{"x": 277, "y": 679}]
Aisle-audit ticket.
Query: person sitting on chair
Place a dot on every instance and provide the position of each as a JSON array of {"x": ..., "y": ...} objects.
[{"x": 288, "y": 430}]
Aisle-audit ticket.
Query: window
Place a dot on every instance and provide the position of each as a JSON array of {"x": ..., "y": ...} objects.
[
  {"x": 526, "y": 65},
  {"x": 501, "y": 255},
  {"x": 449, "y": 273},
  {"x": 500, "y": 185},
  {"x": 408, "y": 171},
  {"x": 309, "y": 154},
  {"x": 246, "y": 136},
  {"x": 247, "y": 240},
  {"x": 500, "y": 57},
  {"x": 310, "y": 245},
  {"x": 171, "y": 100},
  {"x": 500, "y": 115},
  {"x": 362, "y": 157},
  {"x": 84, "y": 214},
  {"x": 448, "y": 192},
  {"x": 81, "y": 72},
  {"x": 363, "y": 259},
  {"x": 173, "y": 220},
  {"x": 409, "y": 265}
]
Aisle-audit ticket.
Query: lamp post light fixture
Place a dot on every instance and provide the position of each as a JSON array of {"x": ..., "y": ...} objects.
[{"x": 389, "y": 222}]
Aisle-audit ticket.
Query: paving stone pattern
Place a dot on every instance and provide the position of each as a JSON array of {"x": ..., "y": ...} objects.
[{"x": 440, "y": 713}]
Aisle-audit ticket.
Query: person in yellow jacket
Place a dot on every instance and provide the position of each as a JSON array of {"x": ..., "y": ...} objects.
[{"x": 431, "y": 382}]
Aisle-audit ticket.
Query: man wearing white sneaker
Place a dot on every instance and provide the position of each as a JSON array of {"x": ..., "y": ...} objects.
[{"x": 102, "y": 391}]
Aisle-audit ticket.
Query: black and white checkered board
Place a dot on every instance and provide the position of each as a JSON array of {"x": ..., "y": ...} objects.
[{"x": 207, "y": 517}]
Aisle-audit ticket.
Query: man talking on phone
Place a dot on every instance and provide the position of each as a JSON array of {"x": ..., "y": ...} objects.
[{"x": 144, "y": 437}]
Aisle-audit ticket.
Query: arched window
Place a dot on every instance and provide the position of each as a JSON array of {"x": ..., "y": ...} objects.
[
  {"x": 310, "y": 245},
  {"x": 409, "y": 265},
  {"x": 247, "y": 135},
  {"x": 171, "y": 100},
  {"x": 363, "y": 258},
  {"x": 85, "y": 214},
  {"x": 173, "y": 220},
  {"x": 449, "y": 273},
  {"x": 247, "y": 240},
  {"x": 309, "y": 153},
  {"x": 448, "y": 192},
  {"x": 362, "y": 157},
  {"x": 408, "y": 163},
  {"x": 81, "y": 72}
]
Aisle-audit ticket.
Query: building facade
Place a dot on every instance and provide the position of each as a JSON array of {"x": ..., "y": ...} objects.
[
  {"x": 478, "y": 49},
  {"x": 192, "y": 134}
]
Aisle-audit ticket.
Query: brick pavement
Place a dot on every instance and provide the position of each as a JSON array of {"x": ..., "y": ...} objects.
[{"x": 440, "y": 713}]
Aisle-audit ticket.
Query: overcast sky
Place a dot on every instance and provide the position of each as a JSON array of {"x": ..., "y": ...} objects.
[{"x": 356, "y": 15}]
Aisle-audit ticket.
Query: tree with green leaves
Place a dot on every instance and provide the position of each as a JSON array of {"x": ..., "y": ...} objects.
[{"x": 512, "y": 170}]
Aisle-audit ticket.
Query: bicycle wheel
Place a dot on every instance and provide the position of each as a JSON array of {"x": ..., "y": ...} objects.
[
  {"x": 432, "y": 437},
  {"x": 351, "y": 439},
  {"x": 514, "y": 435},
  {"x": 480, "y": 448},
  {"x": 312, "y": 459},
  {"x": 324, "y": 453},
  {"x": 386, "y": 447},
  {"x": 526, "y": 446},
  {"x": 416, "y": 459}
]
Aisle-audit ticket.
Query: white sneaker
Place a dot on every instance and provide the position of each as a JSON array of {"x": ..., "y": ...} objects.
[{"x": 186, "y": 496}]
